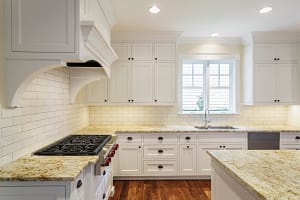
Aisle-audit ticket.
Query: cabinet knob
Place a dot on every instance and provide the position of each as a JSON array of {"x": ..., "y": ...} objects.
[
  {"x": 129, "y": 100},
  {"x": 140, "y": 147},
  {"x": 220, "y": 146},
  {"x": 105, "y": 100},
  {"x": 155, "y": 100},
  {"x": 132, "y": 100},
  {"x": 160, "y": 167},
  {"x": 155, "y": 58},
  {"x": 188, "y": 147},
  {"x": 129, "y": 138},
  {"x": 297, "y": 137},
  {"x": 278, "y": 58},
  {"x": 224, "y": 146},
  {"x": 160, "y": 138},
  {"x": 104, "y": 195},
  {"x": 160, "y": 151},
  {"x": 132, "y": 58},
  {"x": 275, "y": 58},
  {"x": 79, "y": 184},
  {"x": 104, "y": 172},
  {"x": 129, "y": 58}
]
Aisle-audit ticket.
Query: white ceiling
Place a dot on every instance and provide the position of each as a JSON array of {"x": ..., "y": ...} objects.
[{"x": 200, "y": 18}]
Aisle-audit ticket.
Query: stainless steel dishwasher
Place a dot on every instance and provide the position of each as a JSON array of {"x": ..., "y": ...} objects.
[{"x": 263, "y": 140}]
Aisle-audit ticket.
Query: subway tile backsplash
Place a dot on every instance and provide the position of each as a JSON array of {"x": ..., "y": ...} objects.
[
  {"x": 168, "y": 115},
  {"x": 45, "y": 115}
]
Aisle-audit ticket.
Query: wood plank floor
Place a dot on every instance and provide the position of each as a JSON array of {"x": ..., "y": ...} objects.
[{"x": 162, "y": 190}]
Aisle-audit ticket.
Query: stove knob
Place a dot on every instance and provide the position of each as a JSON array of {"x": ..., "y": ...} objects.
[
  {"x": 116, "y": 146},
  {"x": 112, "y": 153}
]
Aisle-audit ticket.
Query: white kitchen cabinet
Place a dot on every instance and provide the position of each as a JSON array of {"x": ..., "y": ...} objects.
[
  {"x": 275, "y": 83},
  {"x": 275, "y": 53},
  {"x": 160, "y": 168},
  {"x": 160, "y": 151},
  {"x": 62, "y": 34},
  {"x": 131, "y": 83},
  {"x": 164, "y": 51},
  {"x": 204, "y": 161},
  {"x": 97, "y": 92},
  {"x": 135, "y": 51},
  {"x": 188, "y": 159},
  {"x": 290, "y": 141},
  {"x": 130, "y": 160},
  {"x": 164, "y": 82},
  {"x": 119, "y": 83},
  {"x": 217, "y": 141}
]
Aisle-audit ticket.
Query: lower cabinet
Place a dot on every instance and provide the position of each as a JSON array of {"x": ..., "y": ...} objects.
[
  {"x": 188, "y": 159},
  {"x": 130, "y": 160},
  {"x": 290, "y": 141},
  {"x": 173, "y": 154},
  {"x": 204, "y": 160}
]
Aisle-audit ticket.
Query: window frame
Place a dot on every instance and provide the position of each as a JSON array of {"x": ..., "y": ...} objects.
[{"x": 234, "y": 82}]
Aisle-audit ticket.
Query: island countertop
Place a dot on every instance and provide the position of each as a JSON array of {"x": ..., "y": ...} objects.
[{"x": 268, "y": 174}]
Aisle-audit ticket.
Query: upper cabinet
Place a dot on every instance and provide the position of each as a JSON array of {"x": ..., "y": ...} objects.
[
  {"x": 275, "y": 53},
  {"x": 42, "y": 35},
  {"x": 271, "y": 70},
  {"x": 164, "y": 51},
  {"x": 140, "y": 51}
]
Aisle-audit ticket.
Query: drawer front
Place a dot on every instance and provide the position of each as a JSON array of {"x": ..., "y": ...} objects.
[
  {"x": 160, "y": 152},
  {"x": 160, "y": 139},
  {"x": 128, "y": 139},
  {"x": 187, "y": 139},
  {"x": 223, "y": 137},
  {"x": 160, "y": 168},
  {"x": 290, "y": 146},
  {"x": 290, "y": 138}
]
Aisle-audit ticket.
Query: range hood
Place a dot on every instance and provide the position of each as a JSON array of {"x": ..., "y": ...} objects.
[{"x": 83, "y": 45}]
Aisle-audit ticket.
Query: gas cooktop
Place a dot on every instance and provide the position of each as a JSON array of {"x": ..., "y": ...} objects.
[{"x": 76, "y": 145}]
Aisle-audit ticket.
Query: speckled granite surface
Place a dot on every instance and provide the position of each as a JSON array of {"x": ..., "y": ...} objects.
[
  {"x": 45, "y": 168},
  {"x": 270, "y": 175},
  {"x": 111, "y": 129}
]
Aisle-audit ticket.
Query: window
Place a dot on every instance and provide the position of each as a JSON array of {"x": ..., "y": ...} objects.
[{"x": 208, "y": 84}]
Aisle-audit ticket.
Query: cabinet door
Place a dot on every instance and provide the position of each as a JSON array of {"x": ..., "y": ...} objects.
[
  {"x": 165, "y": 52},
  {"x": 142, "y": 51},
  {"x": 286, "y": 82},
  {"x": 97, "y": 91},
  {"x": 123, "y": 50},
  {"x": 33, "y": 31},
  {"x": 164, "y": 83},
  {"x": 265, "y": 86},
  {"x": 188, "y": 159},
  {"x": 130, "y": 159},
  {"x": 204, "y": 161},
  {"x": 265, "y": 53},
  {"x": 287, "y": 53},
  {"x": 141, "y": 82},
  {"x": 118, "y": 86}
]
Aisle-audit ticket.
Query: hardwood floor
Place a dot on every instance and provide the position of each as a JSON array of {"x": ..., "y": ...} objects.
[{"x": 162, "y": 190}]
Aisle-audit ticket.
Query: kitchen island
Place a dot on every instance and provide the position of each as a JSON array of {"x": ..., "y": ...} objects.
[{"x": 253, "y": 175}]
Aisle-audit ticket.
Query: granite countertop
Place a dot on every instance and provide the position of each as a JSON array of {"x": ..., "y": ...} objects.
[
  {"x": 269, "y": 175},
  {"x": 45, "y": 168},
  {"x": 113, "y": 129}
]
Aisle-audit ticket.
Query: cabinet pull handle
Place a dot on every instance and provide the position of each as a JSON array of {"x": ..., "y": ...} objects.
[
  {"x": 128, "y": 58},
  {"x": 132, "y": 100},
  {"x": 129, "y": 138},
  {"x": 278, "y": 58},
  {"x": 188, "y": 138},
  {"x": 220, "y": 146},
  {"x": 104, "y": 195},
  {"x": 297, "y": 137},
  {"x": 79, "y": 184},
  {"x": 160, "y": 151},
  {"x": 160, "y": 167},
  {"x": 132, "y": 58},
  {"x": 128, "y": 100},
  {"x": 224, "y": 146},
  {"x": 160, "y": 138},
  {"x": 104, "y": 172}
]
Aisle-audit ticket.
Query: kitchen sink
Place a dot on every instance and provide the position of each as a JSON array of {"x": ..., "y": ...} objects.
[{"x": 214, "y": 127}]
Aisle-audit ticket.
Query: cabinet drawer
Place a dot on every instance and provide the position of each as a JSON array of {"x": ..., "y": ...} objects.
[
  {"x": 290, "y": 138},
  {"x": 290, "y": 146},
  {"x": 160, "y": 151},
  {"x": 161, "y": 168},
  {"x": 187, "y": 139},
  {"x": 128, "y": 139},
  {"x": 160, "y": 139},
  {"x": 223, "y": 137}
]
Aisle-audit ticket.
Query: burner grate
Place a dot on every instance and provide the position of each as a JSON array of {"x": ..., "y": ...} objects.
[{"x": 76, "y": 145}]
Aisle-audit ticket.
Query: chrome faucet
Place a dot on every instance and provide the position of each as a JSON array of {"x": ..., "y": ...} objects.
[{"x": 206, "y": 118}]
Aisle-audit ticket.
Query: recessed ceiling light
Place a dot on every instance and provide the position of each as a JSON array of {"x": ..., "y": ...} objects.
[
  {"x": 154, "y": 9},
  {"x": 214, "y": 34},
  {"x": 265, "y": 10}
]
